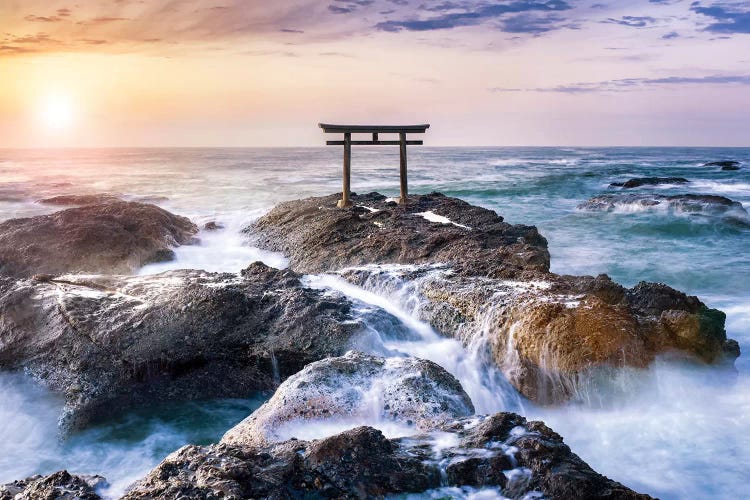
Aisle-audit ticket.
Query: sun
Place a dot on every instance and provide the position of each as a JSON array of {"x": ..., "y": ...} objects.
[{"x": 57, "y": 112}]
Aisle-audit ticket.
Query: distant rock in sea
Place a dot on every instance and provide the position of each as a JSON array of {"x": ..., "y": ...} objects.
[
  {"x": 649, "y": 181},
  {"x": 106, "y": 237},
  {"x": 725, "y": 165},
  {"x": 79, "y": 200},
  {"x": 58, "y": 486},
  {"x": 112, "y": 343}
]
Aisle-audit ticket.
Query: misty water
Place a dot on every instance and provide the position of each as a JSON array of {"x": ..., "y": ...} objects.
[{"x": 676, "y": 430}]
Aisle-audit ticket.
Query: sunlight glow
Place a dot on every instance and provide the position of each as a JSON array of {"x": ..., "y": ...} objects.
[{"x": 57, "y": 112}]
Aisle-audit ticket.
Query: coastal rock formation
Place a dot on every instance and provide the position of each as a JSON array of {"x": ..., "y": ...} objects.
[
  {"x": 649, "y": 181},
  {"x": 553, "y": 334},
  {"x": 433, "y": 228},
  {"x": 691, "y": 204},
  {"x": 503, "y": 451},
  {"x": 112, "y": 342},
  {"x": 110, "y": 237},
  {"x": 725, "y": 165},
  {"x": 79, "y": 200},
  {"x": 58, "y": 486},
  {"x": 352, "y": 388}
]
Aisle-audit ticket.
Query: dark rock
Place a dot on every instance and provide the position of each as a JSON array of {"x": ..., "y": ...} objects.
[
  {"x": 691, "y": 204},
  {"x": 111, "y": 237},
  {"x": 318, "y": 237},
  {"x": 649, "y": 181},
  {"x": 212, "y": 226},
  {"x": 108, "y": 343},
  {"x": 58, "y": 486},
  {"x": 362, "y": 463},
  {"x": 725, "y": 165},
  {"x": 409, "y": 390},
  {"x": 79, "y": 200}
]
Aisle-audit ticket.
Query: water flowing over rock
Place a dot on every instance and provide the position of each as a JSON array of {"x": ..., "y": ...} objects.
[
  {"x": 58, "y": 486},
  {"x": 318, "y": 237},
  {"x": 649, "y": 181},
  {"x": 554, "y": 335},
  {"x": 502, "y": 451},
  {"x": 108, "y": 343},
  {"x": 357, "y": 388},
  {"x": 725, "y": 165},
  {"x": 110, "y": 237}
]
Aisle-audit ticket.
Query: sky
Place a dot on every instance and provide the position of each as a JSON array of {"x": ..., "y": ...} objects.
[{"x": 151, "y": 73}]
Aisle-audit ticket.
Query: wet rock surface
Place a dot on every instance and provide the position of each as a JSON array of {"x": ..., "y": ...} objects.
[
  {"x": 502, "y": 450},
  {"x": 106, "y": 237},
  {"x": 725, "y": 165},
  {"x": 318, "y": 237},
  {"x": 58, "y": 486},
  {"x": 108, "y": 343},
  {"x": 356, "y": 387},
  {"x": 649, "y": 181}
]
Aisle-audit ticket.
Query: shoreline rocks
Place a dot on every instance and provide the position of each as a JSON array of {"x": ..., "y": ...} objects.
[
  {"x": 503, "y": 451},
  {"x": 357, "y": 387},
  {"x": 318, "y": 237},
  {"x": 108, "y": 343},
  {"x": 60, "y": 485},
  {"x": 113, "y": 237}
]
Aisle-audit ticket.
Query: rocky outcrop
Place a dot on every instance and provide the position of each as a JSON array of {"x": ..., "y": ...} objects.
[
  {"x": 649, "y": 181},
  {"x": 318, "y": 237},
  {"x": 110, "y": 237},
  {"x": 112, "y": 342},
  {"x": 553, "y": 335},
  {"x": 79, "y": 200},
  {"x": 503, "y": 451},
  {"x": 58, "y": 486},
  {"x": 357, "y": 388},
  {"x": 725, "y": 165}
]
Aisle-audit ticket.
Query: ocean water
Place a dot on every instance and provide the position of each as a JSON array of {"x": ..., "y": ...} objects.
[{"x": 676, "y": 431}]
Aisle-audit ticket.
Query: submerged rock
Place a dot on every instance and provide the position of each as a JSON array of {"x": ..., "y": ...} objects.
[
  {"x": 502, "y": 451},
  {"x": 354, "y": 388},
  {"x": 110, "y": 237},
  {"x": 79, "y": 200},
  {"x": 725, "y": 165},
  {"x": 553, "y": 336},
  {"x": 58, "y": 486},
  {"x": 433, "y": 228},
  {"x": 649, "y": 181},
  {"x": 108, "y": 343}
]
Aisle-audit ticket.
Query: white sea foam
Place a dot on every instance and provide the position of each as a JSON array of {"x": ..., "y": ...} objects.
[{"x": 433, "y": 217}]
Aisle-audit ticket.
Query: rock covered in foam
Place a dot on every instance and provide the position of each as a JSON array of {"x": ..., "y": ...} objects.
[
  {"x": 501, "y": 451},
  {"x": 109, "y": 236},
  {"x": 108, "y": 343},
  {"x": 554, "y": 335},
  {"x": 433, "y": 228},
  {"x": 356, "y": 387},
  {"x": 58, "y": 486},
  {"x": 697, "y": 204}
]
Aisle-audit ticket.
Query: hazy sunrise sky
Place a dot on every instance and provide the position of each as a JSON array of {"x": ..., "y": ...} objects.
[{"x": 264, "y": 73}]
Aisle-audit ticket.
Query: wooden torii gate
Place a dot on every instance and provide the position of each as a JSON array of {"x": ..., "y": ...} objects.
[{"x": 348, "y": 130}]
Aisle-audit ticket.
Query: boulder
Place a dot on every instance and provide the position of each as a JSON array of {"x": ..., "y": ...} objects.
[
  {"x": 319, "y": 237},
  {"x": 58, "y": 486},
  {"x": 357, "y": 388},
  {"x": 649, "y": 181},
  {"x": 553, "y": 335},
  {"x": 108, "y": 343},
  {"x": 501, "y": 451},
  {"x": 80, "y": 200},
  {"x": 110, "y": 237}
]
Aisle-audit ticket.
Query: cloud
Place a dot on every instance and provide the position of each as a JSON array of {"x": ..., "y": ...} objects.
[
  {"x": 729, "y": 18},
  {"x": 453, "y": 15},
  {"x": 632, "y": 21},
  {"x": 103, "y": 20},
  {"x": 629, "y": 84},
  {"x": 670, "y": 36},
  {"x": 42, "y": 19}
]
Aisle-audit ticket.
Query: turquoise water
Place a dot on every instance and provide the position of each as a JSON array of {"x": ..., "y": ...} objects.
[{"x": 684, "y": 434}]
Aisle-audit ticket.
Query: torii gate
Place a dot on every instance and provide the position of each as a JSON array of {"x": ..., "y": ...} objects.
[{"x": 348, "y": 130}]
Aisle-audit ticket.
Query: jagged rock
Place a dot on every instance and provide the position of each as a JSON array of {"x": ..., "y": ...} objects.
[
  {"x": 353, "y": 387},
  {"x": 212, "y": 226},
  {"x": 79, "y": 200},
  {"x": 318, "y": 237},
  {"x": 112, "y": 342},
  {"x": 649, "y": 181},
  {"x": 58, "y": 486},
  {"x": 552, "y": 335},
  {"x": 502, "y": 450},
  {"x": 725, "y": 165},
  {"x": 110, "y": 237}
]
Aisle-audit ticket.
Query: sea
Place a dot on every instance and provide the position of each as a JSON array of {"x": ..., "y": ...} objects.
[{"x": 676, "y": 430}]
